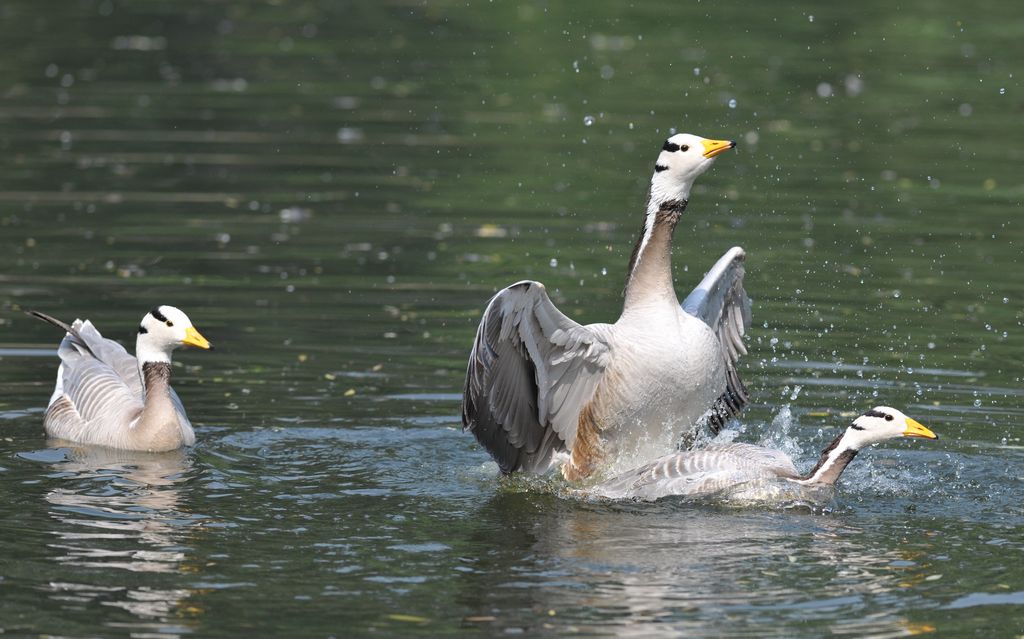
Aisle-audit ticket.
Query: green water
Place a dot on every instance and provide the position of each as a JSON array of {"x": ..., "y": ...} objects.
[{"x": 332, "y": 191}]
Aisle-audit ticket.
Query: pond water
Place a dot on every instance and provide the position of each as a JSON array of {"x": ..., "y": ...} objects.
[{"x": 332, "y": 191}]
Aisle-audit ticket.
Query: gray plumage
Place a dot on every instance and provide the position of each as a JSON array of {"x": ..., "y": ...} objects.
[
  {"x": 530, "y": 371},
  {"x": 700, "y": 472}
]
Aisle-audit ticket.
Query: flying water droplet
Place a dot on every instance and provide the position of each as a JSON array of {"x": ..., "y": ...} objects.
[
  {"x": 732, "y": 103},
  {"x": 588, "y": 120},
  {"x": 1002, "y": 90}
]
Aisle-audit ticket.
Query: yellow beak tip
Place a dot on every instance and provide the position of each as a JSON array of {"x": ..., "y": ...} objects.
[
  {"x": 194, "y": 338},
  {"x": 917, "y": 429},
  {"x": 717, "y": 147}
]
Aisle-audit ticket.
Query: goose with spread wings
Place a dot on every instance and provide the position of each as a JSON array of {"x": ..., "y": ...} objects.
[{"x": 542, "y": 390}]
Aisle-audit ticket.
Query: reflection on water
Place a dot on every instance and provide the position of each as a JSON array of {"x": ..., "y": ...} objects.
[
  {"x": 668, "y": 569},
  {"x": 119, "y": 510}
]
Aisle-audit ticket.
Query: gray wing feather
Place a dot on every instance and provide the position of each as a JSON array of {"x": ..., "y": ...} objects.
[
  {"x": 722, "y": 303},
  {"x": 531, "y": 370},
  {"x": 110, "y": 353},
  {"x": 699, "y": 472},
  {"x": 94, "y": 397}
]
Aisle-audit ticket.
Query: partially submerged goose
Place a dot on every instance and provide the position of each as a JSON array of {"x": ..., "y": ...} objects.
[
  {"x": 614, "y": 396},
  {"x": 752, "y": 472},
  {"x": 104, "y": 396}
]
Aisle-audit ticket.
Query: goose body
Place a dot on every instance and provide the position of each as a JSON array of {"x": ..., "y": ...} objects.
[
  {"x": 744, "y": 472},
  {"x": 106, "y": 397},
  {"x": 543, "y": 390}
]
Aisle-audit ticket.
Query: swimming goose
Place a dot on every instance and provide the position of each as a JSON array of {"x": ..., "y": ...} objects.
[
  {"x": 754, "y": 472},
  {"x": 613, "y": 396},
  {"x": 104, "y": 396}
]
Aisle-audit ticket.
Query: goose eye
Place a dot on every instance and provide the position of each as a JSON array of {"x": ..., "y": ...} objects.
[
  {"x": 170, "y": 323},
  {"x": 685, "y": 147},
  {"x": 888, "y": 418}
]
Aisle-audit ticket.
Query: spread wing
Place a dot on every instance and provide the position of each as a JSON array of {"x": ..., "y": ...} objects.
[
  {"x": 722, "y": 303},
  {"x": 699, "y": 472},
  {"x": 531, "y": 371}
]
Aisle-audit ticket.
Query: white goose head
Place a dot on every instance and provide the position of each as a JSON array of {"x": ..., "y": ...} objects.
[
  {"x": 880, "y": 424},
  {"x": 164, "y": 329},
  {"x": 875, "y": 426},
  {"x": 683, "y": 158}
]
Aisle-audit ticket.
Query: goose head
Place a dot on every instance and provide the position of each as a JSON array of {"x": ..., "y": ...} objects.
[
  {"x": 683, "y": 158},
  {"x": 875, "y": 426},
  {"x": 880, "y": 424},
  {"x": 164, "y": 329}
]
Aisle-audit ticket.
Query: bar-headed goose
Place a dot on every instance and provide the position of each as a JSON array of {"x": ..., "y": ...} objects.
[
  {"x": 104, "y": 396},
  {"x": 614, "y": 396},
  {"x": 754, "y": 472}
]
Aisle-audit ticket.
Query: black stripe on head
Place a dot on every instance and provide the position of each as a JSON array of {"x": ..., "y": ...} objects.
[
  {"x": 856, "y": 427},
  {"x": 160, "y": 317},
  {"x": 658, "y": 168},
  {"x": 877, "y": 413},
  {"x": 142, "y": 330},
  {"x": 671, "y": 147}
]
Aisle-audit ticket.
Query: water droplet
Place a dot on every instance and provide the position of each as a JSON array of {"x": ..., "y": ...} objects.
[
  {"x": 554, "y": 262},
  {"x": 1002, "y": 90},
  {"x": 604, "y": 271},
  {"x": 732, "y": 103},
  {"x": 1006, "y": 300},
  {"x": 977, "y": 403},
  {"x": 810, "y": 18},
  {"x": 588, "y": 120}
]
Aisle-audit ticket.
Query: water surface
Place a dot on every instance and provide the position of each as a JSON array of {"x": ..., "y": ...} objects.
[{"x": 332, "y": 192}]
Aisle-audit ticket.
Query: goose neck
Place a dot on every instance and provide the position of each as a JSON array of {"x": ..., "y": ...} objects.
[
  {"x": 650, "y": 267},
  {"x": 833, "y": 461},
  {"x": 156, "y": 379}
]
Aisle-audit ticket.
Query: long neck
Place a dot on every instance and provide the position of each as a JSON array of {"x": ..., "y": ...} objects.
[
  {"x": 650, "y": 267},
  {"x": 156, "y": 379},
  {"x": 159, "y": 427},
  {"x": 834, "y": 460}
]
